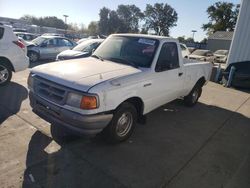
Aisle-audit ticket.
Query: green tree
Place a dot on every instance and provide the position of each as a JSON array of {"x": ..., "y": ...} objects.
[
  {"x": 93, "y": 28},
  {"x": 129, "y": 15},
  {"x": 190, "y": 40},
  {"x": 103, "y": 24},
  {"x": 160, "y": 18},
  {"x": 222, "y": 17},
  {"x": 181, "y": 39},
  {"x": 48, "y": 21}
]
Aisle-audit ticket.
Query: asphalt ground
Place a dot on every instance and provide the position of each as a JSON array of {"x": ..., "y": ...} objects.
[{"x": 179, "y": 147}]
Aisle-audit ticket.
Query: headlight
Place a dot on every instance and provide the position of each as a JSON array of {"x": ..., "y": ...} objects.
[
  {"x": 31, "y": 81},
  {"x": 86, "y": 102}
]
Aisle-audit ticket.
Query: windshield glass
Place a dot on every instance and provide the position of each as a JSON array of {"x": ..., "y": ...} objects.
[
  {"x": 221, "y": 52},
  {"x": 38, "y": 40},
  {"x": 85, "y": 46},
  {"x": 200, "y": 52},
  {"x": 135, "y": 51}
]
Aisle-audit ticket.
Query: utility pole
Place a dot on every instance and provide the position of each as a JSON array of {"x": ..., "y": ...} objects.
[
  {"x": 193, "y": 31},
  {"x": 65, "y": 20}
]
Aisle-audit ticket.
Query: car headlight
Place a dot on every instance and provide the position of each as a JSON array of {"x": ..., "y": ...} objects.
[
  {"x": 30, "y": 81},
  {"x": 86, "y": 102}
]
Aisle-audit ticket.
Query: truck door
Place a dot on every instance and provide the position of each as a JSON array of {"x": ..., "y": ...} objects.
[{"x": 168, "y": 74}]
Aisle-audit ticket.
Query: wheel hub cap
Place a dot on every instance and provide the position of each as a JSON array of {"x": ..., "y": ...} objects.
[
  {"x": 195, "y": 95},
  {"x": 124, "y": 124},
  {"x": 4, "y": 74}
]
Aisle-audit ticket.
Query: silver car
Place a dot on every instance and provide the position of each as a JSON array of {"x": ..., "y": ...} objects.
[{"x": 48, "y": 47}]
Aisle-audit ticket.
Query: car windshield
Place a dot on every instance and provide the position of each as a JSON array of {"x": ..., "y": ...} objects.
[
  {"x": 200, "y": 52},
  {"x": 135, "y": 51},
  {"x": 84, "y": 46},
  {"x": 221, "y": 52},
  {"x": 38, "y": 40}
]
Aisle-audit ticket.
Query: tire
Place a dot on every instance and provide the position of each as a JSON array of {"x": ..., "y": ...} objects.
[
  {"x": 192, "y": 98},
  {"x": 33, "y": 56},
  {"x": 122, "y": 125},
  {"x": 5, "y": 74}
]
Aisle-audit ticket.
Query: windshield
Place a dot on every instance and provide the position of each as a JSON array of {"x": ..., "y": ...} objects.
[
  {"x": 136, "y": 51},
  {"x": 221, "y": 52},
  {"x": 200, "y": 52},
  {"x": 38, "y": 40},
  {"x": 86, "y": 46}
]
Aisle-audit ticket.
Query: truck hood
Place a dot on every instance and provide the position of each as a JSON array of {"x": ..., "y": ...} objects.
[{"x": 82, "y": 74}]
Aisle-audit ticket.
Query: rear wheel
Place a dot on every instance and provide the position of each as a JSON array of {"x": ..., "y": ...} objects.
[
  {"x": 122, "y": 125},
  {"x": 5, "y": 74},
  {"x": 192, "y": 98},
  {"x": 33, "y": 56}
]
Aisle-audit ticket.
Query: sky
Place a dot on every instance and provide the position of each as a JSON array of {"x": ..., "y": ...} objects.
[{"x": 191, "y": 14}]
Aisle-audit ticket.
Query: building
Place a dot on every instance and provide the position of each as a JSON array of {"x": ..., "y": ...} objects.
[
  {"x": 220, "y": 40},
  {"x": 239, "y": 51}
]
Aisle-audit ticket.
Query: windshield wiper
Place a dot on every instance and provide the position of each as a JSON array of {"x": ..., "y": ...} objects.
[
  {"x": 97, "y": 57},
  {"x": 123, "y": 61}
]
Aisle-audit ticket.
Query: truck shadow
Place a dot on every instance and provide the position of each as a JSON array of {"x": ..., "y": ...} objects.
[
  {"x": 11, "y": 98},
  {"x": 154, "y": 154}
]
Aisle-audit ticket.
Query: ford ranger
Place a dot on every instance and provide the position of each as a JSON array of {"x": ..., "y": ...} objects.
[{"x": 128, "y": 76}]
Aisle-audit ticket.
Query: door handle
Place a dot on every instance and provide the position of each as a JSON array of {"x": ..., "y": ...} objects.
[{"x": 180, "y": 74}]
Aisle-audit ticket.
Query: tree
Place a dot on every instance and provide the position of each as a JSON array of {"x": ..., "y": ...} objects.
[
  {"x": 129, "y": 15},
  {"x": 48, "y": 21},
  {"x": 160, "y": 18},
  {"x": 204, "y": 41},
  {"x": 93, "y": 28},
  {"x": 222, "y": 17},
  {"x": 189, "y": 40},
  {"x": 182, "y": 39},
  {"x": 103, "y": 24}
]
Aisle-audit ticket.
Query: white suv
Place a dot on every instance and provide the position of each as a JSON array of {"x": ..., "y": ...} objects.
[{"x": 13, "y": 56}]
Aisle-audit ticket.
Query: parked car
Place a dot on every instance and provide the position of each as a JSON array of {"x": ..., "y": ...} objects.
[
  {"x": 184, "y": 50},
  {"x": 241, "y": 76},
  {"x": 12, "y": 54},
  {"x": 128, "y": 76},
  {"x": 220, "y": 56},
  {"x": 82, "y": 40},
  {"x": 202, "y": 55},
  {"x": 53, "y": 34},
  {"x": 48, "y": 47},
  {"x": 191, "y": 49},
  {"x": 26, "y": 36},
  {"x": 85, "y": 49}
]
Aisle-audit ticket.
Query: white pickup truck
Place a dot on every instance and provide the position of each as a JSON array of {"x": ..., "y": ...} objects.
[{"x": 128, "y": 76}]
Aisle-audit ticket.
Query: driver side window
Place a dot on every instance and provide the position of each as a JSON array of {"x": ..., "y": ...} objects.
[{"x": 168, "y": 58}]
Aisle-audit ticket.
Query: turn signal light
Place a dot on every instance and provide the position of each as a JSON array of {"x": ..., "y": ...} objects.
[{"x": 88, "y": 102}]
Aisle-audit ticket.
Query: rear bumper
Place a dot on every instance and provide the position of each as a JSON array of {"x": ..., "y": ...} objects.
[{"x": 84, "y": 124}]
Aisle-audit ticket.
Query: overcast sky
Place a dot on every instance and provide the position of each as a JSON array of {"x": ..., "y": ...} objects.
[{"x": 191, "y": 14}]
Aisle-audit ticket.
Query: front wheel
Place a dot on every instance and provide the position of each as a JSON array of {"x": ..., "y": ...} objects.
[
  {"x": 5, "y": 74},
  {"x": 192, "y": 98},
  {"x": 122, "y": 125}
]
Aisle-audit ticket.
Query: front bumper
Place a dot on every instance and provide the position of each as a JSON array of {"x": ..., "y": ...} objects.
[{"x": 84, "y": 124}]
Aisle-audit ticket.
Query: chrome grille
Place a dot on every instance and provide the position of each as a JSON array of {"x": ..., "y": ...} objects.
[{"x": 50, "y": 91}]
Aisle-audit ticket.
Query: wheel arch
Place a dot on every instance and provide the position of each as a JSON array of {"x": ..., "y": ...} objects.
[
  {"x": 137, "y": 102},
  {"x": 8, "y": 62},
  {"x": 201, "y": 81}
]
